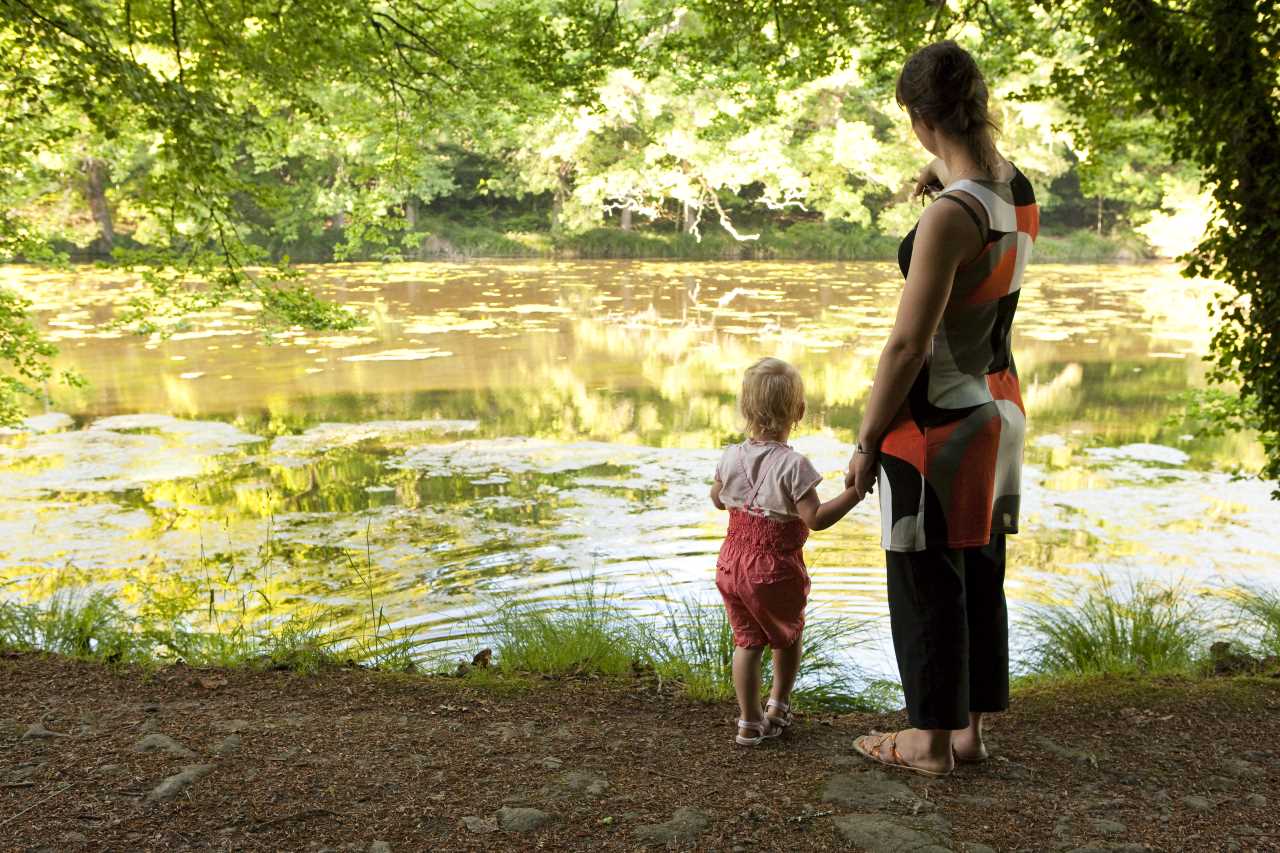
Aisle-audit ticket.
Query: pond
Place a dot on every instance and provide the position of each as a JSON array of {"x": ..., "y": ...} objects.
[{"x": 504, "y": 430}]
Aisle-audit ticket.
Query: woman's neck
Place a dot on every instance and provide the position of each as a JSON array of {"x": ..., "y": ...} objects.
[{"x": 962, "y": 165}]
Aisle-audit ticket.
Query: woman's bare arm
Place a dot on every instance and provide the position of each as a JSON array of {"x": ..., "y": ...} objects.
[{"x": 944, "y": 239}]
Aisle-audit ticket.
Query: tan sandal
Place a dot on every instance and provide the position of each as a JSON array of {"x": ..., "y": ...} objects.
[
  {"x": 872, "y": 747},
  {"x": 783, "y": 717},
  {"x": 764, "y": 730}
]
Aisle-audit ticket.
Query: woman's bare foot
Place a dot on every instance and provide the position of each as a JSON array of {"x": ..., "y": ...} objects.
[
  {"x": 927, "y": 752},
  {"x": 926, "y": 749},
  {"x": 967, "y": 744}
]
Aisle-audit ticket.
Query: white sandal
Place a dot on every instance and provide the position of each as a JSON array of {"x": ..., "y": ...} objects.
[
  {"x": 765, "y": 729},
  {"x": 784, "y": 719}
]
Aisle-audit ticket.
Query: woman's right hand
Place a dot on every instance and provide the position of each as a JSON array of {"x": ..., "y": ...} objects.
[{"x": 931, "y": 178}]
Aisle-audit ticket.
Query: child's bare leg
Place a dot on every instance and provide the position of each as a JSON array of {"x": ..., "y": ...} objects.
[
  {"x": 746, "y": 683},
  {"x": 786, "y": 664}
]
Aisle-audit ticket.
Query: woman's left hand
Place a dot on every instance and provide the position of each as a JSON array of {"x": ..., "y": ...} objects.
[{"x": 861, "y": 476}]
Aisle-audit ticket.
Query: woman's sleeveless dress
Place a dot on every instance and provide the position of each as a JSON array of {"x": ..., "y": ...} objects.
[{"x": 951, "y": 463}]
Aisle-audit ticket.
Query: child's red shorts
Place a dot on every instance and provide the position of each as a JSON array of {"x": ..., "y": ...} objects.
[{"x": 762, "y": 578}]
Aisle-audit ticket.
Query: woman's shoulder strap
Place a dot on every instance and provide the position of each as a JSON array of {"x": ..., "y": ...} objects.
[{"x": 1000, "y": 213}]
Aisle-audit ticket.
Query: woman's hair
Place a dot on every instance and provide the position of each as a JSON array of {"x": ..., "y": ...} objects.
[
  {"x": 941, "y": 85},
  {"x": 772, "y": 396}
]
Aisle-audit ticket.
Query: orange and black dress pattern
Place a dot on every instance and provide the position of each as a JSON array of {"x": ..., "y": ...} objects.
[{"x": 951, "y": 463}]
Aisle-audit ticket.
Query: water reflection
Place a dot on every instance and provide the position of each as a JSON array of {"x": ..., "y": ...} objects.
[{"x": 497, "y": 429}]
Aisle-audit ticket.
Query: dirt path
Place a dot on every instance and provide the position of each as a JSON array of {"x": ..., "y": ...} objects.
[{"x": 180, "y": 759}]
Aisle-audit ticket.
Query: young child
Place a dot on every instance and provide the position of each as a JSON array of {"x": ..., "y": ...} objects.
[{"x": 768, "y": 489}]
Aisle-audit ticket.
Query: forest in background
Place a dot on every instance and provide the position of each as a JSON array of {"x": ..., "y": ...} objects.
[
  {"x": 641, "y": 161},
  {"x": 201, "y": 141}
]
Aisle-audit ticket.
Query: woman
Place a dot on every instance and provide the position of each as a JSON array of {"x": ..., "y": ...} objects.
[{"x": 943, "y": 428}]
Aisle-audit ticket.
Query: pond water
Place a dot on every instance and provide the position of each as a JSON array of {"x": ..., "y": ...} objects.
[{"x": 502, "y": 430}]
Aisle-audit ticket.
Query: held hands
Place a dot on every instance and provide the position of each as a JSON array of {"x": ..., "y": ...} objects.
[{"x": 861, "y": 476}]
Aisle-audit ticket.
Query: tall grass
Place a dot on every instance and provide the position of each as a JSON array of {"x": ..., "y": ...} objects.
[
  {"x": 692, "y": 644},
  {"x": 586, "y": 634},
  {"x": 1143, "y": 628},
  {"x": 1260, "y": 612},
  {"x": 91, "y": 626}
]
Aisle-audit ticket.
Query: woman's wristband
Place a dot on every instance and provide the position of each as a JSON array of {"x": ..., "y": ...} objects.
[{"x": 870, "y": 451}]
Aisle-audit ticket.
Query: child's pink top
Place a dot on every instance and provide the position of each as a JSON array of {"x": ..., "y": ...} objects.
[{"x": 765, "y": 478}]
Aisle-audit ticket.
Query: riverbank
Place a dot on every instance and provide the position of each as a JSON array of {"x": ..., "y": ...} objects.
[
  {"x": 805, "y": 241},
  {"x": 100, "y": 758}
]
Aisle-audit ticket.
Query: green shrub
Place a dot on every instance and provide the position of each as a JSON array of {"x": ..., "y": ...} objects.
[
  {"x": 1085, "y": 246},
  {"x": 1150, "y": 628}
]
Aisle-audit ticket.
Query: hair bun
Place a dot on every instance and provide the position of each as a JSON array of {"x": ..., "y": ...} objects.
[{"x": 941, "y": 85}]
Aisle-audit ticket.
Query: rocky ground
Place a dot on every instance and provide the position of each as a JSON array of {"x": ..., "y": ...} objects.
[{"x": 93, "y": 758}]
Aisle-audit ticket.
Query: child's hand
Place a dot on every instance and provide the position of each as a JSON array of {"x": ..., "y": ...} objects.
[{"x": 715, "y": 495}]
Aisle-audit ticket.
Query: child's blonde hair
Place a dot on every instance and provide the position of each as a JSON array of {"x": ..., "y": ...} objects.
[{"x": 772, "y": 398}]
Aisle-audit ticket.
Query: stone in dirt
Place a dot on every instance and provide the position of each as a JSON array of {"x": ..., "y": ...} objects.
[
  {"x": 685, "y": 825},
  {"x": 1196, "y": 803},
  {"x": 551, "y": 763},
  {"x": 975, "y": 800},
  {"x": 25, "y": 772},
  {"x": 230, "y": 726},
  {"x": 881, "y": 834},
  {"x": 521, "y": 820},
  {"x": 578, "y": 783},
  {"x": 1055, "y": 748},
  {"x": 1102, "y": 826},
  {"x": 869, "y": 790},
  {"x": 163, "y": 743},
  {"x": 1242, "y": 769},
  {"x": 480, "y": 824},
  {"x": 379, "y": 847},
  {"x": 229, "y": 746},
  {"x": 1218, "y": 783},
  {"x": 1257, "y": 801},
  {"x": 975, "y": 847},
  {"x": 1112, "y": 848},
  {"x": 178, "y": 782},
  {"x": 37, "y": 731}
]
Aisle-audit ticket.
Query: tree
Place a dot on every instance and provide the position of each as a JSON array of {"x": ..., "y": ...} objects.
[
  {"x": 1209, "y": 69},
  {"x": 211, "y": 82}
]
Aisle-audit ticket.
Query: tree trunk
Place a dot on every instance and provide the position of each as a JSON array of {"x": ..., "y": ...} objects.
[
  {"x": 557, "y": 201},
  {"x": 688, "y": 218},
  {"x": 411, "y": 212},
  {"x": 626, "y": 219},
  {"x": 1099, "y": 228},
  {"x": 95, "y": 193}
]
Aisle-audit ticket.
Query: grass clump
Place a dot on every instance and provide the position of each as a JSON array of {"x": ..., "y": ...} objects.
[
  {"x": 693, "y": 645},
  {"x": 1146, "y": 629},
  {"x": 79, "y": 626},
  {"x": 1260, "y": 612},
  {"x": 587, "y": 634}
]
